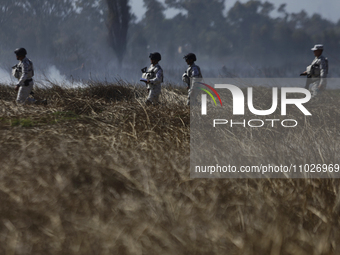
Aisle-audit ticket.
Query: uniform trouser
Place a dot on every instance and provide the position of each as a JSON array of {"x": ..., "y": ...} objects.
[
  {"x": 192, "y": 95},
  {"x": 23, "y": 94},
  {"x": 315, "y": 91},
  {"x": 154, "y": 92}
]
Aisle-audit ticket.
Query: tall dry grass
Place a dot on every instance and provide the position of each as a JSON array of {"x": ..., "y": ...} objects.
[
  {"x": 314, "y": 140},
  {"x": 98, "y": 172}
]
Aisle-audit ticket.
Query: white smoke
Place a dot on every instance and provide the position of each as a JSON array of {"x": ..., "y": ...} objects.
[
  {"x": 5, "y": 77},
  {"x": 53, "y": 76},
  {"x": 44, "y": 78}
]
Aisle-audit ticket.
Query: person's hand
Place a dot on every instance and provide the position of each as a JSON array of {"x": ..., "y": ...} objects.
[
  {"x": 148, "y": 81},
  {"x": 188, "y": 87},
  {"x": 17, "y": 88},
  {"x": 304, "y": 73}
]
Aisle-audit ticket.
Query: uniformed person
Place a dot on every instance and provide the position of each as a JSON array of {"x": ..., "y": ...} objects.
[
  {"x": 317, "y": 72},
  {"x": 24, "y": 72},
  {"x": 193, "y": 71},
  {"x": 154, "y": 76}
]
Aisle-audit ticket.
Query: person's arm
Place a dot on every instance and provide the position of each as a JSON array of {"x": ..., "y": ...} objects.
[
  {"x": 158, "y": 78},
  {"x": 24, "y": 75},
  {"x": 323, "y": 73},
  {"x": 195, "y": 73},
  {"x": 186, "y": 79}
]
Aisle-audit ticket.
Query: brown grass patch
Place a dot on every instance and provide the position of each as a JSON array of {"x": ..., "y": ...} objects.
[{"x": 98, "y": 172}]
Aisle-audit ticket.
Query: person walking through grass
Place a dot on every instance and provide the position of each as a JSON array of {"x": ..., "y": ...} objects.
[
  {"x": 154, "y": 79},
  {"x": 317, "y": 72},
  {"x": 193, "y": 71},
  {"x": 24, "y": 72}
]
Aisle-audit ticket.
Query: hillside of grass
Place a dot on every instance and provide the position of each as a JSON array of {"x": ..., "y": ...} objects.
[{"x": 96, "y": 171}]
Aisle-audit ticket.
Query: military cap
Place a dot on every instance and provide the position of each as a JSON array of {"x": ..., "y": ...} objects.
[
  {"x": 317, "y": 47},
  {"x": 155, "y": 56},
  {"x": 190, "y": 56},
  {"x": 20, "y": 52}
]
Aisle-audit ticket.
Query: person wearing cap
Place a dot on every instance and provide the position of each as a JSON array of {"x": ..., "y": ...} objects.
[
  {"x": 154, "y": 76},
  {"x": 317, "y": 71},
  {"x": 24, "y": 72},
  {"x": 193, "y": 71}
]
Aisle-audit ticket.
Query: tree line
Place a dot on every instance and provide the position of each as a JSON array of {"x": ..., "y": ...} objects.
[{"x": 72, "y": 34}]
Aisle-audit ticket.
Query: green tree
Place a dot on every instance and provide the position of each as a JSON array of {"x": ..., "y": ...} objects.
[
  {"x": 203, "y": 27},
  {"x": 117, "y": 23},
  {"x": 252, "y": 29},
  {"x": 42, "y": 20},
  {"x": 153, "y": 22},
  {"x": 10, "y": 14}
]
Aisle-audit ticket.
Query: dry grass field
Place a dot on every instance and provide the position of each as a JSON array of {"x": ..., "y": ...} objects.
[{"x": 97, "y": 172}]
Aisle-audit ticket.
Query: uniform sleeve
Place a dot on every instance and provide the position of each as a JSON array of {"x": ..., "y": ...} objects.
[
  {"x": 158, "y": 78},
  {"x": 185, "y": 77},
  {"x": 25, "y": 69},
  {"x": 323, "y": 71},
  {"x": 323, "y": 68},
  {"x": 195, "y": 73}
]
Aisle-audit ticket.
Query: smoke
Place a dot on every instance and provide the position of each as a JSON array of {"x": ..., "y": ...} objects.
[
  {"x": 43, "y": 78},
  {"x": 53, "y": 76},
  {"x": 5, "y": 77}
]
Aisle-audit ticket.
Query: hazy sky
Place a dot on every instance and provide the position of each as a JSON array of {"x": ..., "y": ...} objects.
[{"x": 327, "y": 8}]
